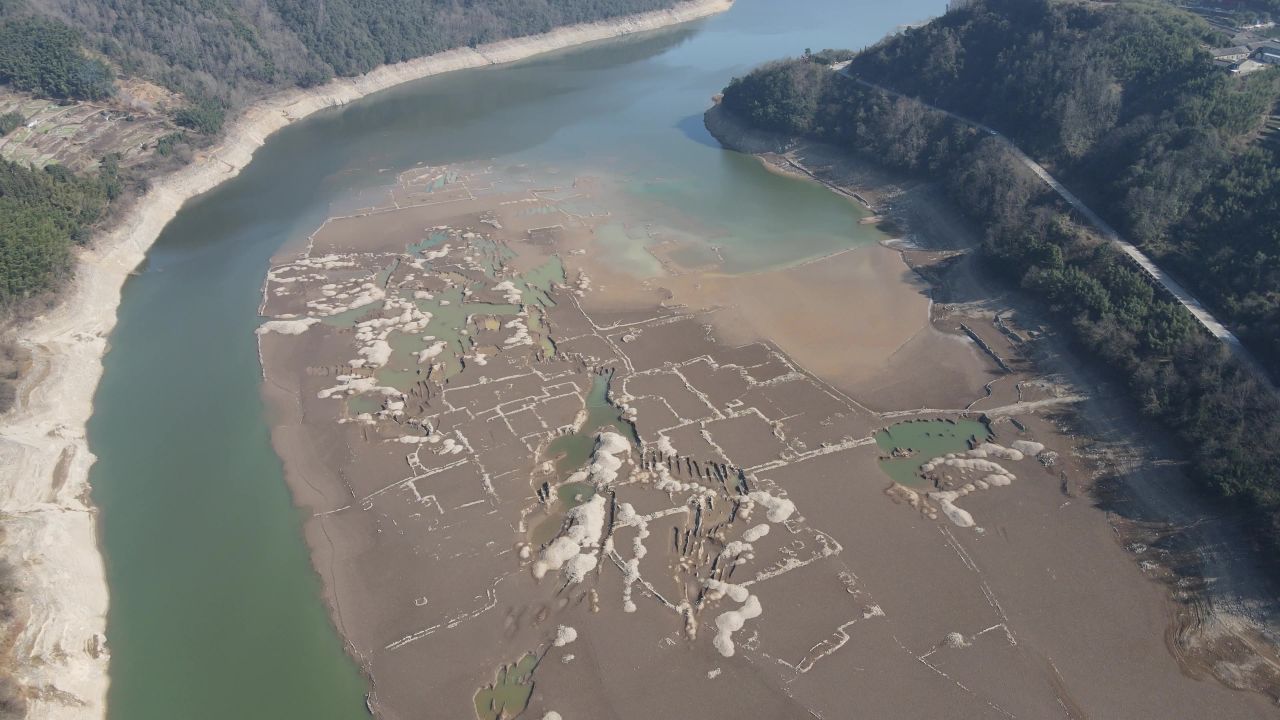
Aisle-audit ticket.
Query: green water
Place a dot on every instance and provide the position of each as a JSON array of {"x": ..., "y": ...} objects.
[
  {"x": 574, "y": 449},
  {"x": 434, "y": 238},
  {"x": 215, "y": 610},
  {"x": 573, "y": 494},
  {"x": 349, "y": 318},
  {"x": 538, "y": 281},
  {"x": 568, "y": 496},
  {"x": 927, "y": 439},
  {"x": 510, "y": 692},
  {"x": 625, "y": 247},
  {"x": 451, "y": 315},
  {"x": 491, "y": 255}
]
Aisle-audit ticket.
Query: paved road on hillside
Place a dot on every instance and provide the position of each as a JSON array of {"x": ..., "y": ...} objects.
[
  {"x": 1238, "y": 593},
  {"x": 1180, "y": 293}
]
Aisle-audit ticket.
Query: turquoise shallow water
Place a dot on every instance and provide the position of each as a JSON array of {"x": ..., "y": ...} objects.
[
  {"x": 215, "y": 609},
  {"x": 925, "y": 440}
]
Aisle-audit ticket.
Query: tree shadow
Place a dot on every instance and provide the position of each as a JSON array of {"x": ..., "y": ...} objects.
[{"x": 695, "y": 129}]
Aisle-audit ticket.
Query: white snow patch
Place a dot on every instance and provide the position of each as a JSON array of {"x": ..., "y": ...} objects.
[
  {"x": 576, "y": 570},
  {"x": 513, "y": 293},
  {"x": 718, "y": 589},
  {"x": 957, "y": 515},
  {"x": 431, "y": 351},
  {"x": 778, "y": 509},
  {"x": 732, "y": 621},
  {"x": 564, "y": 636},
  {"x": 604, "y": 461},
  {"x": 286, "y": 327},
  {"x": 354, "y": 385},
  {"x": 989, "y": 449},
  {"x": 586, "y": 526},
  {"x": 376, "y": 353},
  {"x": 736, "y": 547},
  {"x": 521, "y": 336},
  {"x": 437, "y": 254},
  {"x": 664, "y": 445},
  {"x": 668, "y": 484},
  {"x": 1027, "y": 447}
]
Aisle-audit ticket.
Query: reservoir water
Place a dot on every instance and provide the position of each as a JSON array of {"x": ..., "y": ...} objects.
[{"x": 215, "y": 609}]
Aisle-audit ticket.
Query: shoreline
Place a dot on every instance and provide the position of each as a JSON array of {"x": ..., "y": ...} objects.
[
  {"x": 51, "y": 538},
  {"x": 340, "y": 474},
  {"x": 870, "y": 188},
  {"x": 480, "y": 597},
  {"x": 1221, "y": 631}
]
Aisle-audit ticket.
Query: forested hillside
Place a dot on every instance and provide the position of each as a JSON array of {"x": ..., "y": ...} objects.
[
  {"x": 1124, "y": 101},
  {"x": 44, "y": 57},
  {"x": 231, "y": 50},
  {"x": 1251, "y": 11},
  {"x": 1128, "y": 108},
  {"x": 42, "y": 214},
  {"x": 219, "y": 55}
]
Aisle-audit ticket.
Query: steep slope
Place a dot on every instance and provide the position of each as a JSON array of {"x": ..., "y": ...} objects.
[
  {"x": 233, "y": 49},
  {"x": 1122, "y": 101}
]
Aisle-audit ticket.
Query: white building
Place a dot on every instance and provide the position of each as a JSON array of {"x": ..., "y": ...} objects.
[{"x": 1231, "y": 54}]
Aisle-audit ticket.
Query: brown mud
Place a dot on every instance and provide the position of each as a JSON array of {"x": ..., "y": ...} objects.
[{"x": 739, "y": 553}]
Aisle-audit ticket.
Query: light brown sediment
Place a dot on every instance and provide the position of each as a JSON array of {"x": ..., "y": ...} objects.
[
  {"x": 1213, "y": 608},
  {"x": 980, "y": 598},
  {"x": 51, "y": 523}
]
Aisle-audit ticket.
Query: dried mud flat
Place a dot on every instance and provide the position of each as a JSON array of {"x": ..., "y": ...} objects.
[{"x": 541, "y": 487}]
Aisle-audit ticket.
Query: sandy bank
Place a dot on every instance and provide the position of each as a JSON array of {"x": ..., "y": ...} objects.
[
  {"x": 827, "y": 165},
  {"x": 1105, "y": 435},
  {"x": 438, "y": 577},
  {"x": 44, "y": 457},
  {"x": 805, "y": 310},
  {"x": 876, "y": 356}
]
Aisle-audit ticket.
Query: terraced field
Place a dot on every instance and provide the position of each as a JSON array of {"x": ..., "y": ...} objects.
[{"x": 78, "y": 134}]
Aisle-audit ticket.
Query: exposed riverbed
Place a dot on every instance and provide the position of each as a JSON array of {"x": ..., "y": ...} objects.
[
  {"x": 955, "y": 603},
  {"x": 215, "y": 610}
]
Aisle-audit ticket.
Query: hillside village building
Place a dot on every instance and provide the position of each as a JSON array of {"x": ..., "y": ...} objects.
[
  {"x": 1246, "y": 58},
  {"x": 1231, "y": 54}
]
